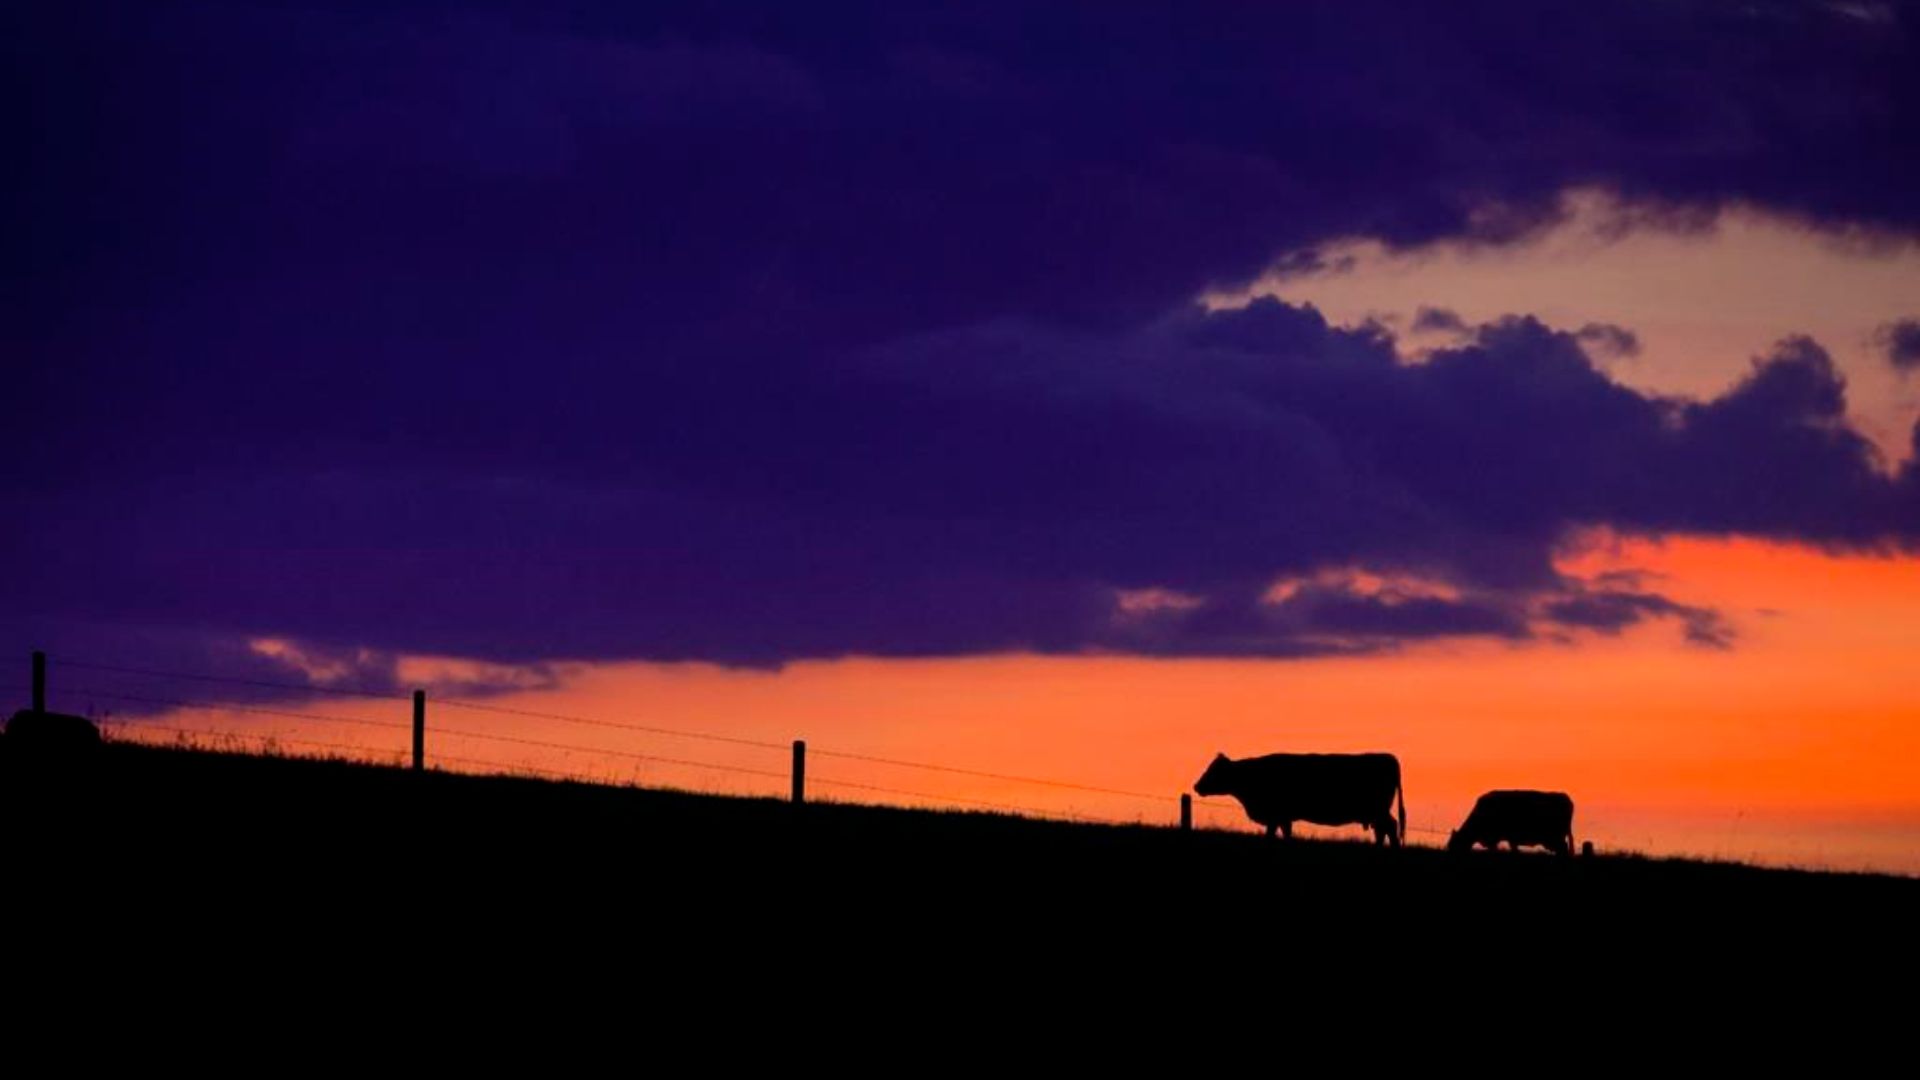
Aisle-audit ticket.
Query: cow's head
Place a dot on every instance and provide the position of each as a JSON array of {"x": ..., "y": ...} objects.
[{"x": 1215, "y": 781}]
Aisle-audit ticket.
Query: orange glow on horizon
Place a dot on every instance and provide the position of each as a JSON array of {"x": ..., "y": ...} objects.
[{"x": 1800, "y": 744}]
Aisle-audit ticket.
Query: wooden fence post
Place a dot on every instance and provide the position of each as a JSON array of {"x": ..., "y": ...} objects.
[
  {"x": 1186, "y": 812},
  {"x": 419, "y": 730},
  {"x": 799, "y": 771},
  {"x": 39, "y": 681}
]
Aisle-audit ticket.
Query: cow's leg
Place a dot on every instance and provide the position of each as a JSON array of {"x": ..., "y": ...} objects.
[
  {"x": 1286, "y": 829},
  {"x": 1270, "y": 831}
]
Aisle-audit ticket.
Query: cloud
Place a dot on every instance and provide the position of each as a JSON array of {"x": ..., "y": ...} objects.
[
  {"x": 680, "y": 333},
  {"x": 1609, "y": 341},
  {"x": 1319, "y": 619},
  {"x": 1344, "y": 614},
  {"x": 508, "y": 171},
  {"x": 1309, "y": 262},
  {"x": 1437, "y": 320},
  {"x": 1003, "y": 487},
  {"x": 1901, "y": 339},
  {"x": 1612, "y": 612},
  {"x": 115, "y": 668}
]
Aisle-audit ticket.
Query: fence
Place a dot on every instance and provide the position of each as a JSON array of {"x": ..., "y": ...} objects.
[{"x": 410, "y": 747}]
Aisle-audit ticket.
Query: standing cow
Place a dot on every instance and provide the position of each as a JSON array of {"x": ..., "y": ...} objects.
[
  {"x": 1541, "y": 818},
  {"x": 1325, "y": 789}
]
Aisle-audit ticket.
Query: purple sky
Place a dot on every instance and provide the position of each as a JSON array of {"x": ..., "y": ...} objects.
[{"x": 749, "y": 333}]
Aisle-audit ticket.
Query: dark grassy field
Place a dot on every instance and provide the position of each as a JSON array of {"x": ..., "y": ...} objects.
[{"x": 327, "y": 871}]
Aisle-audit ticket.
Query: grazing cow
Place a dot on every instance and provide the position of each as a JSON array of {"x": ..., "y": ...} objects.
[
  {"x": 1541, "y": 818},
  {"x": 1325, "y": 789},
  {"x": 38, "y": 731}
]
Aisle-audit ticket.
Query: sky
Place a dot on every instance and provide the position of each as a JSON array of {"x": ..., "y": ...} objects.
[{"x": 1068, "y": 390}]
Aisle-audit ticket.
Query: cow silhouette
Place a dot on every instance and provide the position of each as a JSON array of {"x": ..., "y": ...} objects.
[
  {"x": 1325, "y": 789},
  {"x": 1519, "y": 818}
]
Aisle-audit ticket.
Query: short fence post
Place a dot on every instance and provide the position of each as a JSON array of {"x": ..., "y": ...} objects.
[
  {"x": 1186, "y": 812},
  {"x": 39, "y": 681},
  {"x": 419, "y": 730},
  {"x": 799, "y": 771}
]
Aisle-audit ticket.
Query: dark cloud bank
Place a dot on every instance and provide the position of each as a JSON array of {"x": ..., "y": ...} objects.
[
  {"x": 1901, "y": 338},
  {"x": 752, "y": 333}
]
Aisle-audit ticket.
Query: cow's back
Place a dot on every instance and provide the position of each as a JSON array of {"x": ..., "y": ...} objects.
[
  {"x": 1526, "y": 816},
  {"x": 1327, "y": 789}
]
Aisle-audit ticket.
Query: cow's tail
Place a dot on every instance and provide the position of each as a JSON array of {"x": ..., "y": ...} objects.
[{"x": 1400, "y": 794}]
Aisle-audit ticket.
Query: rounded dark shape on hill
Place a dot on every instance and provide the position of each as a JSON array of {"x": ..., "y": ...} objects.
[
  {"x": 33, "y": 731},
  {"x": 1518, "y": 819}
]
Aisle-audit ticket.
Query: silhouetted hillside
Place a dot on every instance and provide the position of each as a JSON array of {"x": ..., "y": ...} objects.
[{"x": 226, "y": 855}]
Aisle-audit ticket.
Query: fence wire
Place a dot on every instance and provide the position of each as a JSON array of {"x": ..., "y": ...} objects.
[{"x": 129, "y": 727}]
